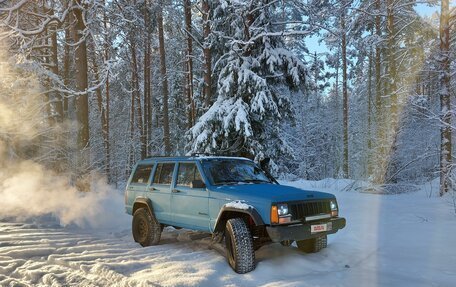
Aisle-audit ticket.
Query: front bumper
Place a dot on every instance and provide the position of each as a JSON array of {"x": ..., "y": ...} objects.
[{"x": 302, "y": 231}]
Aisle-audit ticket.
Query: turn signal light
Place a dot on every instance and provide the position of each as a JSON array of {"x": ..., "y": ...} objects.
[{"x": 274, "y": 214}]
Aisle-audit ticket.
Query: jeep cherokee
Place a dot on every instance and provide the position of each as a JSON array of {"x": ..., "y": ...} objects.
[{"x": 234, "y": 199}]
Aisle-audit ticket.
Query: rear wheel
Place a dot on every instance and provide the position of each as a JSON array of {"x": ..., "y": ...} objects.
[
  {"x": 239, "y": 246},
  {"x": 313, "y": 245},
  {"x": 146, "y": 228}
]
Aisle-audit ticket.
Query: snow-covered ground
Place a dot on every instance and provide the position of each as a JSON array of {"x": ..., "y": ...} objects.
[{"x": 390, "y": 240}]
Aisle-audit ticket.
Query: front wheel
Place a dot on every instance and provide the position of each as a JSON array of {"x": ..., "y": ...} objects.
[
  {"x": 146, "y": 228},
  {"x": 239, "y": 246},
  {"x": 313, "y": 245}
]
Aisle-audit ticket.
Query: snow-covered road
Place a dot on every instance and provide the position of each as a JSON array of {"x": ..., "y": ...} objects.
[{"x": 390, "y": 240}]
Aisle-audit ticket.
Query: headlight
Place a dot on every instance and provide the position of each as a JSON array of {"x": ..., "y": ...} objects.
[
  {"x": 279, "y": 214},
  {"x": 282, "y": 209},
  {"x": 334, "y": 209}
]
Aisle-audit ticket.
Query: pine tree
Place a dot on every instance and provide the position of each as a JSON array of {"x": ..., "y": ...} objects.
[
  {"x": 164, "y": 79},
  {"x": 445, "y": 101},
  {"x": 253, "y": 89}
]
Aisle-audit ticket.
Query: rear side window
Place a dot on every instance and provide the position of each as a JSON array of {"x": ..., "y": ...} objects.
[
  {"x": 187, "y": 173},
  {"x": 141, "y": 175},
  {"x": 164, "y": 173}
]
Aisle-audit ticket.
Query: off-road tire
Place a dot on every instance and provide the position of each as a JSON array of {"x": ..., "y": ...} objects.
[
  {"x": 239, "y": 246},
  {"x": 145, "y": 228},
  {"x": 313, "y": 245}
]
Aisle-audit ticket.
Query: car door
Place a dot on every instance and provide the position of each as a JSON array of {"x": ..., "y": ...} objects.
[
  {"x": 190, "y": 205},
  {"x": 160, "y": 191}
]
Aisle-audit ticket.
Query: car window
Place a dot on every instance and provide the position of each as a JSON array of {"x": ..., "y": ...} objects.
[
  {"x": 141, "y": 175},
  {"x": 187, "y": 173},
  {"x": 164, "y": 173},
  {"x": 234, "y": 171}
]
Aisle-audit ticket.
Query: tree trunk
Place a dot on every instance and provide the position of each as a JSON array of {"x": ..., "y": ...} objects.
[
  {"x": 45, "y": 55},
  {"x": 392, "y": 63},
  {"x": 392, "y": 136},
  {"x": 207, "y": 90},
  {"x": 147, "y": 79},
  {"x": 132, "y": 155},
  {"x": 445, "y": 100},
  {"x": 317, "y": 72},
  {"x": 344, "y": 93},
  {"x": 161, "y": 40},
  {"x": 369, "y": 116},
  {"x": 337, "y": 114},
  {"x": 55, "y": 69},
  {"x": 189, "y": 64},
  {"x": 67, "y": 63},
  {"x": 105, "y": 127},
  {"x": 136, "y": 95},
  {"x": 82, "y": 155},
  {"x": 131, "y": 159},
  {"x": 82, "y": 108},
  {"x": 102, "y": 110},
  {"x": 378, "y": 171},
  {"x": 98, "y": 91}
]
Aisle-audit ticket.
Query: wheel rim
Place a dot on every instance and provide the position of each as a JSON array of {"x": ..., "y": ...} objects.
[
  {"x": 229, "y": 246},
  {"x": 141, "y": 230}
]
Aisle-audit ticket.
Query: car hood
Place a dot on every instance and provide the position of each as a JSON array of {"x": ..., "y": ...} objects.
[{"x": 273, "y": 192}]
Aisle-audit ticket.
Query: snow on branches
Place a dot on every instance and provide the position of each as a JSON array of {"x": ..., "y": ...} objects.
[{"x": 254, "y": 85}]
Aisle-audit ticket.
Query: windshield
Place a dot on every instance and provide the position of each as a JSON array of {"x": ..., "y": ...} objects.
[{"x": 232, "y": 171}]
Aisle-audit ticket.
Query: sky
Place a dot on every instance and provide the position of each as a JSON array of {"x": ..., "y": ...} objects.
[
  {"x": 423, "y": 10},
  {"x": 426, "y": 11}
]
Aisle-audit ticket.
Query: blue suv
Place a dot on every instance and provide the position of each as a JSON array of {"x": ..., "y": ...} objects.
[{"x": 234, "y": 199}]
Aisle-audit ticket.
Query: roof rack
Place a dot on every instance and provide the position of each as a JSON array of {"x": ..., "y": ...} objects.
[
  {"x": 153, "y": 155},
  {"x": 207, "y": 154},
  {"x": 191, "y": 155},
  {"x": 196, "y": 154}
]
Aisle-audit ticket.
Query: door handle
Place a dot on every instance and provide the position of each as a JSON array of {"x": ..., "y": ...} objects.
[
  {"x": 152, "y": 188},
  {"x": 202, "y": 213},
  {"x": 175, "y": 190}
]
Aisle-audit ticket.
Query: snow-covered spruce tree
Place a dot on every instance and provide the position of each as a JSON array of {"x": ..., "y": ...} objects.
[{"x": 254, "y": 85}]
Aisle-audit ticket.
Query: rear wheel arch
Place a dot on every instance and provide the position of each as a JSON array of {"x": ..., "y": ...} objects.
[{"x": 143, "y": 203}]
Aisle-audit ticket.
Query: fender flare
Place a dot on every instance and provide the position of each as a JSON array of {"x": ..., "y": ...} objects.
[
  {"x": 143, "y": 201},
  {"x": 225, "y": 212}
]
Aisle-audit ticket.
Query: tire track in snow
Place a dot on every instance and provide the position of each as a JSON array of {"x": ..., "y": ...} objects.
[{"x": 31, "y": 255}]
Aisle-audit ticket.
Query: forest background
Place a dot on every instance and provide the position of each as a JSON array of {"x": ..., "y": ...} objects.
[{"x": 94, "y": 86}]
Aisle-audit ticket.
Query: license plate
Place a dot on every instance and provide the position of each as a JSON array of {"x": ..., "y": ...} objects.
[{"x": 318, "y": 228}]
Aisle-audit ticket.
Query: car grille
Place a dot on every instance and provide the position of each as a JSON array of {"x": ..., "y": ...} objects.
[{"x": 302, "y": 209}]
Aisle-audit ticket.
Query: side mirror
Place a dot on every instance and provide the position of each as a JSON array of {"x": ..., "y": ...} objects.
[
  {"x": 197, "y": 184},
  {"x": 264, "y": 163}
]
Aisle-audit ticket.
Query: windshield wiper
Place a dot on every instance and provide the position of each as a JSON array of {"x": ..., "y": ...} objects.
[
  {"x": 256, "y": 180},
  {"x": 227, "y": 182}
]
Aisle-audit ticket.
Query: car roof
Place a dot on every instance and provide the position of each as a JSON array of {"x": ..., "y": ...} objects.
[{"x": 189, "y": 158}]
